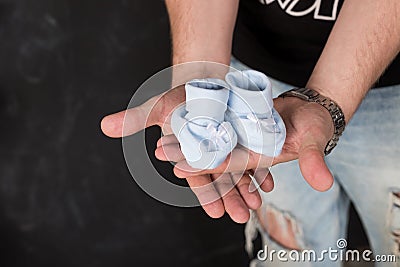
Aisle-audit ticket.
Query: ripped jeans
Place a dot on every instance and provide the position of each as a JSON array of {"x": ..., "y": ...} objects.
[{"x": 365, "y": 166}]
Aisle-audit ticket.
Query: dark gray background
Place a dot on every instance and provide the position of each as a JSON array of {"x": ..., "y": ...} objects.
[{"x": 66, "y": 196}]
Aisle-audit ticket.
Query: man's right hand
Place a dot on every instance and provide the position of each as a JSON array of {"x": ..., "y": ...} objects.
[{"x": 236, "y": 198}]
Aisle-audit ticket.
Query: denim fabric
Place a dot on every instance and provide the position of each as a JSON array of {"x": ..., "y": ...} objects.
[{"x": 365, "y": 166}]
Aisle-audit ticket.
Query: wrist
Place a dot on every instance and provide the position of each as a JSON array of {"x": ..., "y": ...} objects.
[
  {"x": 347, "y": 111},
  {"x": 189, "y": 70},
  {"x": 191, "y": 54},
  {"x": 346, "y": 92}
]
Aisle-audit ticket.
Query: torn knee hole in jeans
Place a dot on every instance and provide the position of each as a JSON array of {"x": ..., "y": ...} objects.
[
  {"x": 395, "y": 220},
  {"x": 281, "y": 227}
]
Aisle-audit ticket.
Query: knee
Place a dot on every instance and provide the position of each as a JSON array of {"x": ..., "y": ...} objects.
[{"x": 280, "y": 226}]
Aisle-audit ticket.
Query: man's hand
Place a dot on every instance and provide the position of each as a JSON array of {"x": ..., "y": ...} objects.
[
  {"x": 309, "y": 128},
  {"x": 230, "y": 191}
]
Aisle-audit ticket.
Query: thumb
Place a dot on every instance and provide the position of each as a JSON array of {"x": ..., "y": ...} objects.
[
  {"x": 131, "y": 121},
  {"x": 313, "y": 166}
]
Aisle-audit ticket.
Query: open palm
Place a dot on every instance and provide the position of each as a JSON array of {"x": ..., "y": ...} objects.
[{"x": 230, "y": 187}]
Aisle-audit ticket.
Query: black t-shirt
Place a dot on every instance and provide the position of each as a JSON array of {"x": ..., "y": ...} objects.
[{"x": 284, "y": 38}]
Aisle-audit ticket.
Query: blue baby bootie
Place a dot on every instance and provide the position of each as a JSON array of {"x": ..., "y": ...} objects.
[
  {"x": 258, "y": 125},
  {"x": 205, "y": 138}
]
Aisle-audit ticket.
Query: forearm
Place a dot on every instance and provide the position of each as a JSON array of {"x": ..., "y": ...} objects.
[
  {"x": 364, "y": 40},
  {"x": 202, "y": 30}
]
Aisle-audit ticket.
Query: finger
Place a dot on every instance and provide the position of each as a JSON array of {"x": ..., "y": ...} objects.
[
  {"x": 268, "y": 184},
  {"x": 130, "y": 121},
  {"x": 233, "y": 201},
  {"x": 166, "y": 128},
  {"x": 240, "y": 159},
  {"x": 285, "y": 156},
  {"x": 167, "y": 140},
  {"x": 243, "y": 182},
  {"x": 170, "y": 152},
  {"x": 207, "y": 195},
  {"x": 263, "y": 179},
  {"x": 313, "y": 167}
]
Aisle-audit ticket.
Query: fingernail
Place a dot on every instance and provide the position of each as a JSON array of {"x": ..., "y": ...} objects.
[{"x": 253, "y": 186}]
